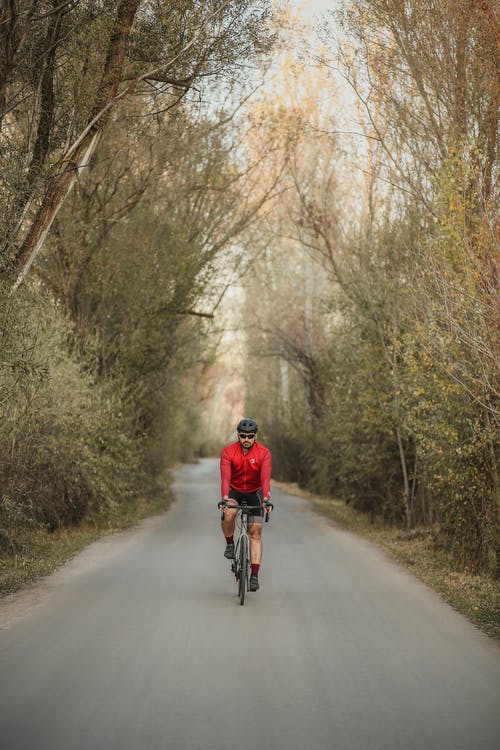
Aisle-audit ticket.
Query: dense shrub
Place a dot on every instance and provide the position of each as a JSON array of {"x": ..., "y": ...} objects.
[{"x": 66, "y": 445}]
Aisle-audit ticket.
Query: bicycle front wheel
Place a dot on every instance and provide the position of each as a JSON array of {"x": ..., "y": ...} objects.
[{"x": 243, "y": 565}]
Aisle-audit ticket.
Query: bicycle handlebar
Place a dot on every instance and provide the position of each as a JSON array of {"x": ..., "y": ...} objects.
[{"x": 244, "y": 507}]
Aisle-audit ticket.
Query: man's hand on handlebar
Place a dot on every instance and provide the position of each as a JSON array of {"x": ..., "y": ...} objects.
[
  {"x": 222, "y": 503},
  {"x": 268, "y": 508}
]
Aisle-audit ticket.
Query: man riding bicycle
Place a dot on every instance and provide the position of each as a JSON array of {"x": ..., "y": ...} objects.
[{"x": 245, "y": 469}]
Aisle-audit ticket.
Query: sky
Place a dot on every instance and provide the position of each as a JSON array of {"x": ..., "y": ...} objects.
[{"x": 314, "y": 7}]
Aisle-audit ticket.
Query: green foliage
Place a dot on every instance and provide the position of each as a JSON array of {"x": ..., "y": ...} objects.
[
  {"x": 289, "y": 443},
  {"x": 66, "y": 445},
  {"x": 457, "y": 455},
  {"x": 348, "y": 450}
]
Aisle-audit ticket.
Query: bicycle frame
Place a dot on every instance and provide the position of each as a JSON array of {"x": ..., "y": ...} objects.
[
  {"x": 241, "y": 561},
  {"x": 240, "y": 565}
]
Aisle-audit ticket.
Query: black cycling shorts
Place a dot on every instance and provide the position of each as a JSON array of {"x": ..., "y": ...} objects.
[{"x": 251, "y": 498}]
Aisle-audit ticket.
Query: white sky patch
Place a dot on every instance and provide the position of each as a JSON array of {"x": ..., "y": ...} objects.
[{"x": 315, "y": 6}]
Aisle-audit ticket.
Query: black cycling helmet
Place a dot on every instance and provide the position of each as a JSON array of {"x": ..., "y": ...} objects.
[{"x": 247, "y": 425}]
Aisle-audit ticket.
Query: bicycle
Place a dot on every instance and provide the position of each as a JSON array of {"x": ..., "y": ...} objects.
[{"x": 240, "y": 564}]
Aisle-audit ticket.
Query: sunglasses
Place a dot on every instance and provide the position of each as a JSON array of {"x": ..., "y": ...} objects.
[{"x": 249, "y": 435}]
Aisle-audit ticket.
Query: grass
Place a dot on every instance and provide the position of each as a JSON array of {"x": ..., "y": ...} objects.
[
  {"x": 475, "y": 596},
  {"x": 41, "y": 552}
]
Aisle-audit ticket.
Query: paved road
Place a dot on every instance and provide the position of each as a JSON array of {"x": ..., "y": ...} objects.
[{"x": 140, "y": 644}]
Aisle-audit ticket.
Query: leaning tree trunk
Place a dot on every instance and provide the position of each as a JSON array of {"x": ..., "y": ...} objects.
[{"x": 80, "y": 153}]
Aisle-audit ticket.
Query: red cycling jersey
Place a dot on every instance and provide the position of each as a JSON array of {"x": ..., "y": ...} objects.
[{"x": 245, "y": 473}]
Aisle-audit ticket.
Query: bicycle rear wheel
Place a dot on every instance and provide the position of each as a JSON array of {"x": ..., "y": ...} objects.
[{"x": 243, "y": 566}]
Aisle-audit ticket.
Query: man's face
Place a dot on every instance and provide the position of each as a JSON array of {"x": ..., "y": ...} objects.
[{"x": 247, "y": 439}]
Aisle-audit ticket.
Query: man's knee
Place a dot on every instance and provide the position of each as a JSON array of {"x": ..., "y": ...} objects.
[
  {"x": 255, "y": 530},
  {"x": 228, "y": 522}
]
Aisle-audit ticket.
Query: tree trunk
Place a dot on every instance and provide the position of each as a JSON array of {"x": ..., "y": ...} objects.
[
  {"x": 44, "y": 128},
  {"x": 7, "y": 48},
  {"x": 492, "y": 17},
  {"x": 36, "y": 155},
  {"x": 78, "y": 156},
  {"x": 406, "y": 483}
]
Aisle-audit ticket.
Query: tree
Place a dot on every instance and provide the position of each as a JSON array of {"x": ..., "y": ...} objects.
[
  {"x": 410, "y": 338},
  {"x": 201, "y": 41}
]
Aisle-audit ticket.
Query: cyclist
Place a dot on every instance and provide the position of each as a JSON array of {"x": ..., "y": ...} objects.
[{"x": 245, "y": 469}]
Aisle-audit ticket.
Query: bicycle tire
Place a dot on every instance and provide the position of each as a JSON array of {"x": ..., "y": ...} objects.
[{"x": 242, "y": 582}]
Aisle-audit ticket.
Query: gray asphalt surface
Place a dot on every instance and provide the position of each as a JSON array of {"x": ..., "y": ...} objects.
[{"x": 140, "y": 643}]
